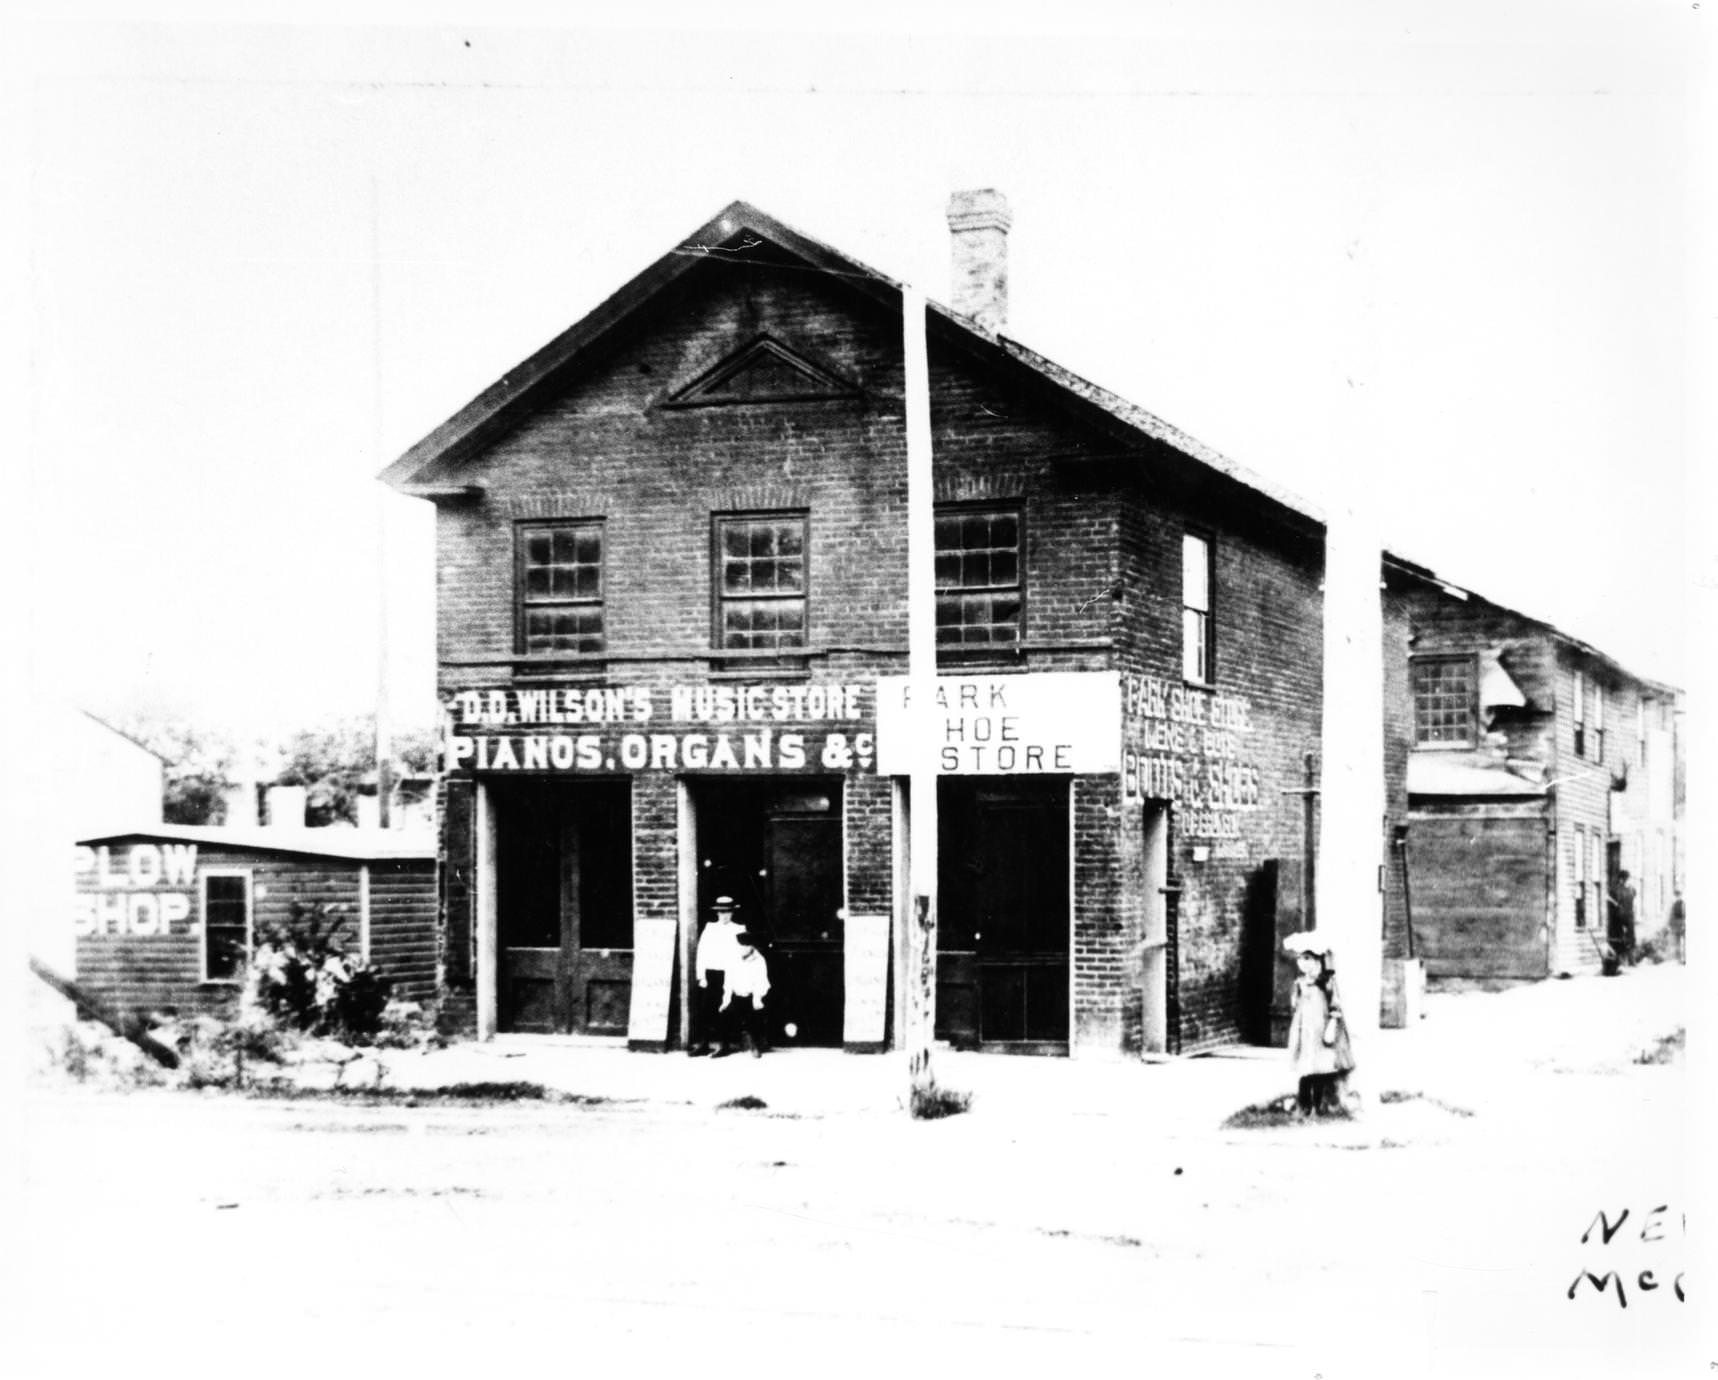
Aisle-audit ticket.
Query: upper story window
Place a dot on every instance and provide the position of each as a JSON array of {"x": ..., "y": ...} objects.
[
  {"x": 226, "y": 925},
  {"x": 560, "y": 586},
  {"x": 1580, "y": 699},
  {"x": 1198, "y": 659},
  {"x": 1444, "y": 689},
  {"x": 1640, "y": 726},
  {"x": 1598, "y": 724},
  {"x": 981, "y": 593},
  {"x": 760, "y": 582}
]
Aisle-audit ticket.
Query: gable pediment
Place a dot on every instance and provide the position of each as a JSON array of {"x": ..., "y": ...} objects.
[{"x": 764, "y": 371}]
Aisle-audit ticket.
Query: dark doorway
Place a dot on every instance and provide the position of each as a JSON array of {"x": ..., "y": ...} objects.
[
  {"x": 1002, "y": 942},
  {"x": 775, "y": 847},
  {"x": 563, "y": 866}
]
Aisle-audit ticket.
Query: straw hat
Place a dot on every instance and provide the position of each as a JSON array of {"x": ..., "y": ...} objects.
[{"x": 1307, "y": 942}]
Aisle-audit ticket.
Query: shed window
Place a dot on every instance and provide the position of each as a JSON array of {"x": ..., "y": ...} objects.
[
  {"x": 226, "y": 925},
  {"x": 1197, "y": 660},
  {"x": 1444, "y": 689},
  {"x": 560, "y": 583},
  {"x": 980, "y": 585},
  {"x": 760, "y": 582}
]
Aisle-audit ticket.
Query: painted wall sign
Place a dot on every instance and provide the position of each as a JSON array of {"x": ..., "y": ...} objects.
[
  {"x": 866, "y": 973},
  {"x": 652, "y": 981},
  {"x": 144, "y": 890},
  {"x": 1191, "y": 747},
  {"x": 714, "y": 728},
  {"x": 1050, "y": 722}
]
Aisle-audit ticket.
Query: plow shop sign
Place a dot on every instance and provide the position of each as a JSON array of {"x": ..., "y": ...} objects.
[{"x": 142, "y": 890}]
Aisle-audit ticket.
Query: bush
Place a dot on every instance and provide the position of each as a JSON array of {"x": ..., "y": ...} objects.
[
  {"x": 931, "y": 1102},
  {"x": 302, "y": 977}
]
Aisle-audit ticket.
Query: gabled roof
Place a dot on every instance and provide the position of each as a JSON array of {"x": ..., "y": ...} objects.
[
  {"x": 1417, "y": 571},
  {"x": 738, "y": 233},
  {"x": 353, "y": 845}
]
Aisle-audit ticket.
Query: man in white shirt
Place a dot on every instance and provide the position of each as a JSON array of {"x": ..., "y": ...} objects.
[
  {"x": 748, "y": 985},
  {"x": 717, "y": 954}
]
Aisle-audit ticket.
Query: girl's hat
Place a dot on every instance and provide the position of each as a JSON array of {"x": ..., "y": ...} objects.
[
  {"x": 724, "y": 903},
  {"x": 1307, "y": 942}
]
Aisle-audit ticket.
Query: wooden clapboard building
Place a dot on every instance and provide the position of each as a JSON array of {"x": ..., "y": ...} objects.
[
  {"x": 672, "y": 627},
  {"x": 1528, "y": 770},
  {"x": 166, "y": 916}
]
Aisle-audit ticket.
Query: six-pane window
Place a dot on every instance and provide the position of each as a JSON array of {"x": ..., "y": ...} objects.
[
  {"x": 1580, "y": 698},
  {"x": 760, "y": 579},
  {"x": 226, "y": 925},
  {"x": 980, "y": 597},
  {"x": 560, "y": 587},
  {"x": 1196, "y": 649},
  {"x": 1443, "y": 701}
]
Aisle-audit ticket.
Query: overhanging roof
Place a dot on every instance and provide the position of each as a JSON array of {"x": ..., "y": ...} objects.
[
  {"x": 737, "y": 234},
  {"x": 1464, "y": 774}
]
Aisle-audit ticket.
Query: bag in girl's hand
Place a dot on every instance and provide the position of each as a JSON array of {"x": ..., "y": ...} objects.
[{"x": 1330, "y": 1029}]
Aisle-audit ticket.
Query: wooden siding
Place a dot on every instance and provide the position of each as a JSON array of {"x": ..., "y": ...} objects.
[
  {"x": 162, "y": 972},
  {"x": 1480, "y": 891}
]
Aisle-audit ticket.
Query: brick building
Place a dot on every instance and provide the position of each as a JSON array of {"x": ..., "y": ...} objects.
[
  {"x": 672, "y": 636},
  {"x": 1526, "y": 770}
]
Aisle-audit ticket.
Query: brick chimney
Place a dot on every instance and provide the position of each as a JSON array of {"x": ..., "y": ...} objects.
[{"x": 978, "y": 224}]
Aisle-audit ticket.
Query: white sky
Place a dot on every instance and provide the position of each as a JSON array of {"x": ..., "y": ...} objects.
[{"x": 1436, "y": 256}]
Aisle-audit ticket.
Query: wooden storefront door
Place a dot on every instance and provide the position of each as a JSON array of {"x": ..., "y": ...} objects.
[
  {"x": 803, "y": 859},
  {"x": 564, "y": 907},
  {"x": 1002, "y": 961}
]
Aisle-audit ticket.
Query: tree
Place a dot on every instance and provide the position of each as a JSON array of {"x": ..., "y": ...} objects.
[
  {"x": 199, "y": 765},
  {"x": 335, "y": 761}
]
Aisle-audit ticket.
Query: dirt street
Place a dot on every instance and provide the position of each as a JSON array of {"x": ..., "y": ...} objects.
[{"x": 189, "y": 1234}]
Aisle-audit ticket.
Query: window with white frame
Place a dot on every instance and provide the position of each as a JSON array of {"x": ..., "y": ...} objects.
[
  {"x": 226, "y": 924},
  {"x": 980, "y": 579},
  {"x": 760, "y": 581},
  {"x": 1640, "y": 728},
  {"x": 1598, "y": 722},
  {"x": 559, "y": 587},
  {"x": 1444, "y": 691},
  {"x": 1198, "y": 651}
]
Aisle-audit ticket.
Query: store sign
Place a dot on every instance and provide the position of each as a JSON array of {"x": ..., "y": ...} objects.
[
  {"x": 1193, "y": 748},
  {"x": 1046, "y": 723},
  {"x": 698, "y": 728},
  {"x": 143, "y": 890}
]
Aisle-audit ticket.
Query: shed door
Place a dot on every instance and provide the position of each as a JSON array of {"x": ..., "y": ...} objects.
[{"x": 1479, "y": 894}]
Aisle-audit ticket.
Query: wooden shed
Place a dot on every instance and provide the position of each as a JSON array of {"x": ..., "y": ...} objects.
[{"x": 167, "y": 916}]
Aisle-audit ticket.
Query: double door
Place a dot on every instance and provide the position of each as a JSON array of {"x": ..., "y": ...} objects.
[
  {"x": 564, "y": 906},
  {"x": 1002, "y": 942}
]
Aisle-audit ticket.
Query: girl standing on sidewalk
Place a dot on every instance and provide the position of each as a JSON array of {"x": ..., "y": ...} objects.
[{"x": 1318, "y": 1043}]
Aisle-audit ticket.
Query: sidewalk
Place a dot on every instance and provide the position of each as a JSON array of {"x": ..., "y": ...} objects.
[{"x": 1470, "y": 1048}]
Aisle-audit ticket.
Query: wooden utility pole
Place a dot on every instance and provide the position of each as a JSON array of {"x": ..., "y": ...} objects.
[
  {"x": 384, "y": 725},
  {"x": 1349, "y": 898},
  {"x": 921, "y": 924}
]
